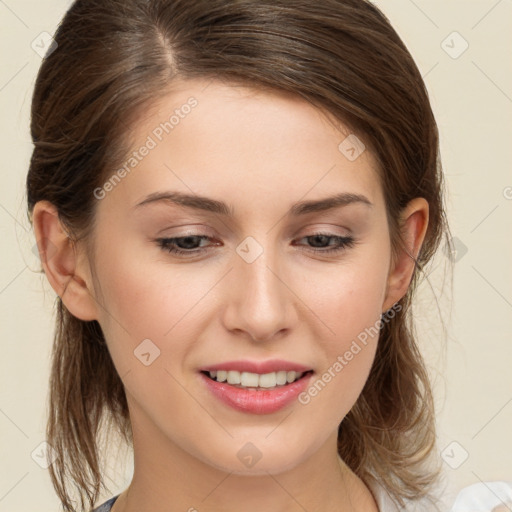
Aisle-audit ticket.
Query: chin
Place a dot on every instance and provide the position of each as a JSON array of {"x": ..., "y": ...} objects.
[{"x": 247, "y": 458}]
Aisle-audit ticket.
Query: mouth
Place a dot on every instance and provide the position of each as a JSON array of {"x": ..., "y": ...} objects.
[{"x": 256, "y": 381}]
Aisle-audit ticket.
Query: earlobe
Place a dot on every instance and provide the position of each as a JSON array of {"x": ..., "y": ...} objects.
[
  {"x": 413, "y": 222},
  {"x": 66, "y": 272}
]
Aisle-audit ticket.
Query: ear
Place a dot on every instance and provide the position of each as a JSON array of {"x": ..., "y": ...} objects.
[
  {"x": 413, "y": 224},
  {"x": 66, "y": 267}
]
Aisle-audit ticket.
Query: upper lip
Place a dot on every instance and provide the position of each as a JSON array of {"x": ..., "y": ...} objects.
[{"x": 262, "y": 367}]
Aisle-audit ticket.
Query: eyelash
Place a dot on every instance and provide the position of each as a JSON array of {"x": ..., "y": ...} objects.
[{"x": 344, "y": 242}]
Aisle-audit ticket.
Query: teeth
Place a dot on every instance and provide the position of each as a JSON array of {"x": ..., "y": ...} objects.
[
  {"x": 255, "y": 380},
  {"x": 233, "y": 377},
  {"x": 268, "y": 380},
  {"x": 290, "y": 376},
  {"x": 249, "y": 380},
  {"x": 281, "y": 378}
]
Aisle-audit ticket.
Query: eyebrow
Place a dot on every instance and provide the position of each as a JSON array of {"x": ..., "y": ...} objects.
[{"x": 219, "y": 207}]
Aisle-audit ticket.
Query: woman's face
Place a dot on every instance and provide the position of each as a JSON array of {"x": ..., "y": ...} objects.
[{"x": 264, "y": 286}]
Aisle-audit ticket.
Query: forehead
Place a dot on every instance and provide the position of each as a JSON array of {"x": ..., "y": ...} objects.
[{"x": 217, "y": 139}]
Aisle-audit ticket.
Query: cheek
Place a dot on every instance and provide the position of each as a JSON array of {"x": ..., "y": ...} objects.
[
  {"x": 143, "y": 303},
  {"x": 349, "y": 303},
  {"x": 349, "y": 297},
  {"x": 347, "y": 363}
]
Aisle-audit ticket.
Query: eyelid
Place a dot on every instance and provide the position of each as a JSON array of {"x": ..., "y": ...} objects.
[
  {"x": 185, "y": 228},
  {"x": 326, "y": 228}
]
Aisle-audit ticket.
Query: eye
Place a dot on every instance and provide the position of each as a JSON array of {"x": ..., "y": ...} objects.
[
  {"x": 320, "y": 239},
  {"x": 189, "y": 242},
  {"x": 188, "y": 245}
]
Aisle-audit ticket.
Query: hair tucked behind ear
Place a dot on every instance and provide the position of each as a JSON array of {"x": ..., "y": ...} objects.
[{"x": 115, "y": 57}]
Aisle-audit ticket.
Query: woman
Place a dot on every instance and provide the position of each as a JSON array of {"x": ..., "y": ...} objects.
[{"x": 233, "y": 201}]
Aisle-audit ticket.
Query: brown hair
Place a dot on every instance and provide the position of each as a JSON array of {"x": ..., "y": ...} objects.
[{"x": 116, "y": 56}]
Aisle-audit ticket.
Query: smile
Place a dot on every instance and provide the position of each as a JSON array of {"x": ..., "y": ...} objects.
[
  {"x": 262, "y": 397},
  {"x": 251, "y": 380}
]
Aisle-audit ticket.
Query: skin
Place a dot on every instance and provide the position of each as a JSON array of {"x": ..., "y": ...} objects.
[{"x": 260, "y": 152}]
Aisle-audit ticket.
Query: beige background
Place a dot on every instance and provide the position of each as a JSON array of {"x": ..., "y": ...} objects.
[{"x": 470, "y": 358}]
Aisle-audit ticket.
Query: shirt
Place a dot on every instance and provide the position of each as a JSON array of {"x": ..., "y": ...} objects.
[{"x": 105, "y": 507}]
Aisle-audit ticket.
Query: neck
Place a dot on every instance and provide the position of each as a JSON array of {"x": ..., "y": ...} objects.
[{"x": 169, "y": 479}]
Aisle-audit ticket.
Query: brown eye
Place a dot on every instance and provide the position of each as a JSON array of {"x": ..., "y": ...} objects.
[
  {"x": 320, "y": 242},
  {"x": 183, "y": 245}
]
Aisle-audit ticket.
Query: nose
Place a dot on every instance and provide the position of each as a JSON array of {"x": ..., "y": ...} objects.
[{"x": 260, "y": 299}]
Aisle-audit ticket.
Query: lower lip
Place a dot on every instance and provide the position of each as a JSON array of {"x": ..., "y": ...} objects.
[{"x": 257, "y": 401}]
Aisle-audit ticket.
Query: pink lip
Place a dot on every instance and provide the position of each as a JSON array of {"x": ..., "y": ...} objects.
[
  {"x": 272, "y": 365},
  {"x": 257, "y": 401}
]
